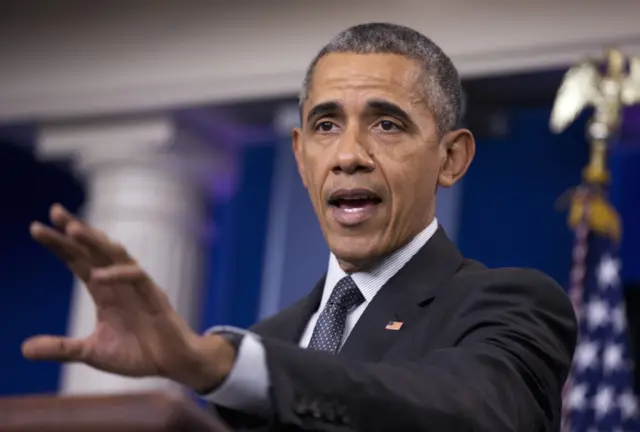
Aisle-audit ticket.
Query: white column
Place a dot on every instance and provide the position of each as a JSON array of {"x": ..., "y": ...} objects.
[{"x": 146, "y": 184}]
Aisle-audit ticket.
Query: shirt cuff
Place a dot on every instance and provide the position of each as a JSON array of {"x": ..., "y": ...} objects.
[{"x": 246, "y": 389}]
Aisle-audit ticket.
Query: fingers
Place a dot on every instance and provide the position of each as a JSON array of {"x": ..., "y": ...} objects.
[
  {"x": 65, "y": 248},
  {"x": 54, "y": 348},
  {"x": 98, "y": 249},
  {"x": 126, "y": 273},
  {"x": 146, "y": 295},
  {"x": 60, "y": 217},
  {"x": 103, "y": 252}
]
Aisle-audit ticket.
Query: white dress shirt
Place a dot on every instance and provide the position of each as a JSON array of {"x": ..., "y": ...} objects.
[{"x": 246, "y": 387}]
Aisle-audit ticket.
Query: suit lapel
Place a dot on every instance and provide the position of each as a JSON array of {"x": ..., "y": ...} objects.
[{"x": 403, "y": 298}]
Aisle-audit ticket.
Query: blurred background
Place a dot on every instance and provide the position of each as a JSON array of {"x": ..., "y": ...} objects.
[{"x": 167, "y": 124}]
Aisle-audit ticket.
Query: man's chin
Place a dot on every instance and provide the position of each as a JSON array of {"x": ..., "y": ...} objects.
[{"x": 354, "y": 253}]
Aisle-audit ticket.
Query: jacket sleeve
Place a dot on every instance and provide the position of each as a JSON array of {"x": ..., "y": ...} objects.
[{"x": 514, "y": 343}]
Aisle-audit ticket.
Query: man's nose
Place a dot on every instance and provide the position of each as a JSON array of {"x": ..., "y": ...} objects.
[{"x": 352, "y": 156}]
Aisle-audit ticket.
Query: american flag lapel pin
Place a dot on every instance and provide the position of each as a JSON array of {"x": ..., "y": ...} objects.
[{"x": 394, "y": 325}]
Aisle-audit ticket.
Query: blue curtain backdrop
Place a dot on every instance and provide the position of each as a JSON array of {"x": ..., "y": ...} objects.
[
  {"x": 625, "y": 193},
  {"x": 625, "y": 196},
  {"x": 508, "y": 201},
  {"x": 235, "y": 264}
]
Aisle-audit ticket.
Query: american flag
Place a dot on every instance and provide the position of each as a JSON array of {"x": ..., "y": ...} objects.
[
  {"x": 394, "y": 325},
  {"x": 599, "y": 394}
]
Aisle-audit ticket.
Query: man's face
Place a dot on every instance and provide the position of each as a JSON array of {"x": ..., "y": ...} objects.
[{"x": 368, "y": 152}]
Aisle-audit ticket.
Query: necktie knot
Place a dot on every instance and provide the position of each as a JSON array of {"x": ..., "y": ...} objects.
[{"x": 346, "y": 294}]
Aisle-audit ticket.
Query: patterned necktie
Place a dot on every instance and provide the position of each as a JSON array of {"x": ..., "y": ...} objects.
[{"x": 329, "y": 329}]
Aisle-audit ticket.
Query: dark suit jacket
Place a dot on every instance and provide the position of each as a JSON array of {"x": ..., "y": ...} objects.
[{"x": 479, "y": 350}]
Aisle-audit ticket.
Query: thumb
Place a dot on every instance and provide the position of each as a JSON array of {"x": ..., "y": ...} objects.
[{"x": 53, "y": 348}]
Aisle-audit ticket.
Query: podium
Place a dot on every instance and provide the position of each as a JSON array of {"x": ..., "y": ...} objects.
[{"x": 150, "y": 412}]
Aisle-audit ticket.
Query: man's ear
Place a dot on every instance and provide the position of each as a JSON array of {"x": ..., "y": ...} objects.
[
  {"x": 459, "y": 148},
  {"x": 296, "y": 141}
]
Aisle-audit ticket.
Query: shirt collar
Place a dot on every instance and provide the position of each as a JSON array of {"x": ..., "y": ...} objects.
[{"x": 371, "y": 281}]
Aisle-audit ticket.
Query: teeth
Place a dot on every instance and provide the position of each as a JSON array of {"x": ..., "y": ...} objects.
[{"x": 353, "y": 209}]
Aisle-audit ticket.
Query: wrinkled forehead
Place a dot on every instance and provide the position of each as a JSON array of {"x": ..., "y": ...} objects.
[{"x": 352, "y": 80}]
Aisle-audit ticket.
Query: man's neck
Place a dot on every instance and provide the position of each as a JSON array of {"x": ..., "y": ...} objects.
[{"x": 368, "y": 265}]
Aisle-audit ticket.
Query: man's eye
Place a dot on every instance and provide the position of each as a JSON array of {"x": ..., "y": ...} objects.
[
  {"x": 325, "y": 126},
  {"x": 388, "y": 126}
]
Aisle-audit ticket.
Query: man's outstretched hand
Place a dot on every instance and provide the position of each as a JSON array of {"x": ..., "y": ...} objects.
[{"x": 137, "y": 333}]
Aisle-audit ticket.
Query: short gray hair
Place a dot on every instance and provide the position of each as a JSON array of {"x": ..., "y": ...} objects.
[{"x": 441, "y": 83}]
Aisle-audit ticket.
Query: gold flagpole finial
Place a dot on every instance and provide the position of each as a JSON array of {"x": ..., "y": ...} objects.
[{"x": 608, "y": 93}]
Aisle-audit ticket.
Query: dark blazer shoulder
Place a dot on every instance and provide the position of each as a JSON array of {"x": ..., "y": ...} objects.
[
  {"x": 475, "y": 283},
  {"x": 474, "y": 275}
]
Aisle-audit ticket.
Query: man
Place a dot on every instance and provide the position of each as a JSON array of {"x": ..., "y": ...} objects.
[{"x": 402, "y": 333}]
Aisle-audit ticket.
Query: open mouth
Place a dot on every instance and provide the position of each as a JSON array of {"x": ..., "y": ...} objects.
[
  {"x": 354, "y": 199},
  {"x": 351, "y": 207}
]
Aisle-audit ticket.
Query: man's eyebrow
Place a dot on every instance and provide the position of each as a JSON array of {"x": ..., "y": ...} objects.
[
  {"x": 323, "y": 109},
  {"x": 385, "y": 107}
]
